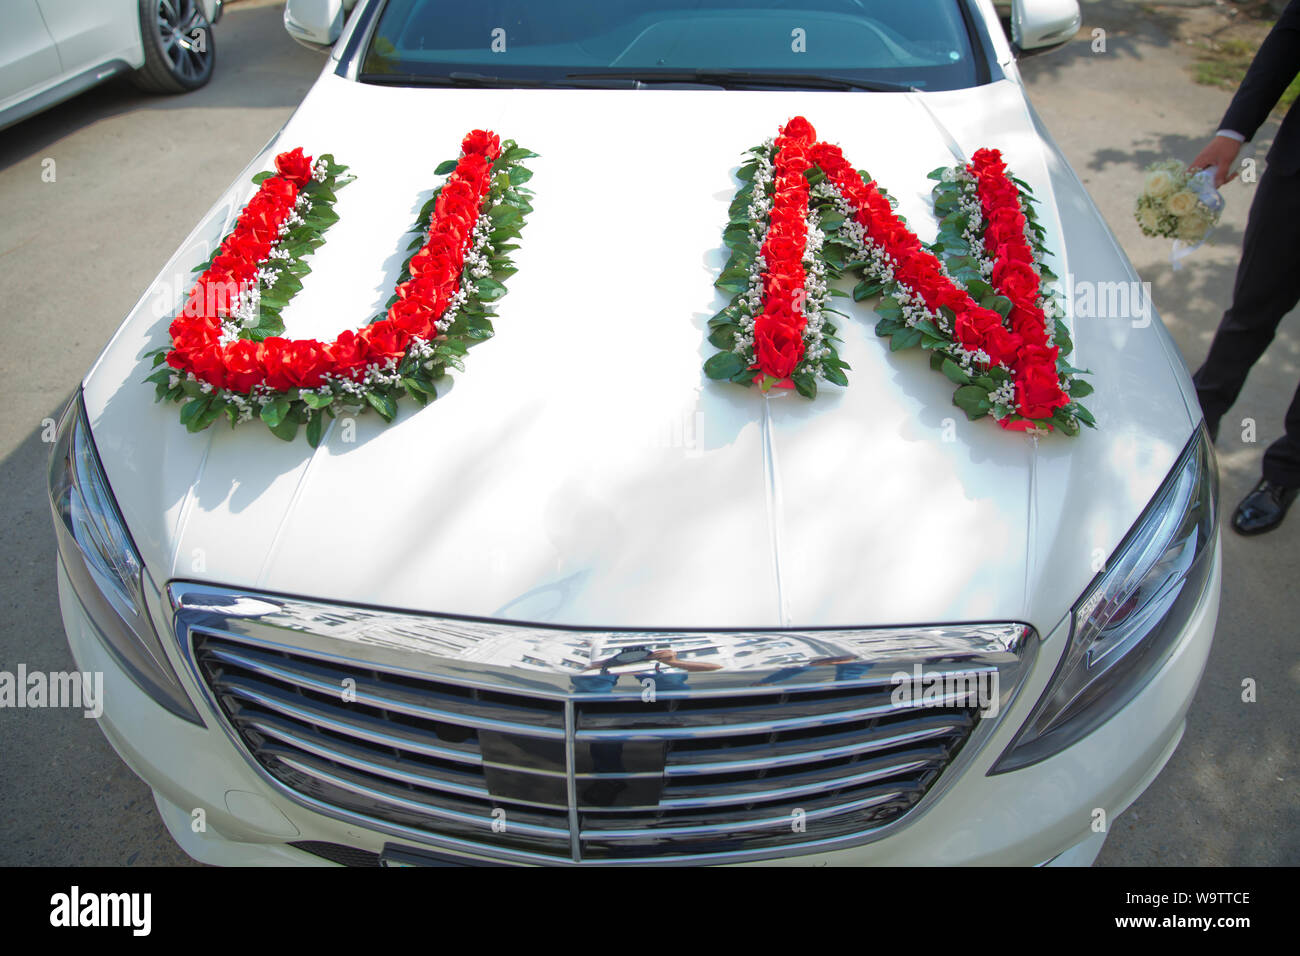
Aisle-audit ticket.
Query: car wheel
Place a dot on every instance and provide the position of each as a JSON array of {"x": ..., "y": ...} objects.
[{"x": 178, "y": 48}]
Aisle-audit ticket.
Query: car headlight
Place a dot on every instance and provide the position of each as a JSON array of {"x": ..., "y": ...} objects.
[
  {"x": 102, "y": 563},
  {"x": 1129, "y": 620}
]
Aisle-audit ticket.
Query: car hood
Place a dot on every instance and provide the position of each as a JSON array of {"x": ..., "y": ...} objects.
[{"x": 581, "y": 470}]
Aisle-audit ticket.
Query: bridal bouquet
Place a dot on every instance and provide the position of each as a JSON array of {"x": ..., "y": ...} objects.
[{"x": 1176, "y": 204}]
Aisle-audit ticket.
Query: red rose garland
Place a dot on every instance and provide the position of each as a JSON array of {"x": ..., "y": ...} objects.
[
  {"x": 992, "y": 340},
  {"x": 1038, "y": 386},
  {"x": 778, "y": 331},
  {"x": 224, "y": 362}
]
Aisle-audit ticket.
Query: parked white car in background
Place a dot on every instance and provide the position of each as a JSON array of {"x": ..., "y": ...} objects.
[
  {"x": 533, "y": 622},
  {"x": 51, "y": 50}
]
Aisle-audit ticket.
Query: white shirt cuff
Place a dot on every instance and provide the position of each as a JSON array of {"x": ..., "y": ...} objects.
[{"x": 1231, "y": 134}]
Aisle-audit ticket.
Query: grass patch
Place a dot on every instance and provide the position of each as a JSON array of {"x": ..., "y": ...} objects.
[{"x": 1224, "y": 63}]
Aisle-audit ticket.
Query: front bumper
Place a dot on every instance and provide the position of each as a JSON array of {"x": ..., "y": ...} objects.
[{"x": 1044, "y": 813}]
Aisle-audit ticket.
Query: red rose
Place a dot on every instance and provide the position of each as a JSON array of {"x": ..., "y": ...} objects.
[
  {"x": 475, "y": 170},
  {"x": 440, "y": 269},
  {"x": 243, "y": 370},
  {"x": 1016, "y": 280},
  {"x": 211, "y": 297},
  {"x": 1015, "y": 252},
  {"x": 208, "y": 366},
  {"x": 457, "y": 195},
  {"x": 412, "y": 316},
  {"x": 1001, "y": 344},
  {"x": 277, "y": 191},
  {"x": 294, "y": 166},
  {"x": 778, "y": 347},
  {"x": 191, "y": 339},
  {"x": 986, "y": 159},
  {"x": 441, "y": 244},
  {"x": 294, "y": 363},
  {"x": 242, "y": 244},
  {"x": 1030, "y": 324},
  {"x": 271, "y": 355},
  {"x": 348, "y": 353},
  {"x": 1038, "y": 391},
  {"x": 383, "y": 341},
  {"x": 306, "y": 362},
  {"x": 426, "y": 290},
  {"x": 799, "y": 129},
  {"x": 980, "y": 328},
  {"x": 482, "y": 142}
]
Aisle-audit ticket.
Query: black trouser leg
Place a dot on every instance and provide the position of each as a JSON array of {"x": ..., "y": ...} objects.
[
  {"x": 1282, "y": 459},
  {"x": 1267, "y": 288}
]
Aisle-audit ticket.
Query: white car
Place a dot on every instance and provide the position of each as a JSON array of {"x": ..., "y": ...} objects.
[
  {"x": 591, "y": 605},
  {"x": 51, "y": 50}
]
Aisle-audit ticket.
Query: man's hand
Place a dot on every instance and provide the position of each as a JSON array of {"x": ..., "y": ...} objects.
[{"x": 1220, "y": 154}]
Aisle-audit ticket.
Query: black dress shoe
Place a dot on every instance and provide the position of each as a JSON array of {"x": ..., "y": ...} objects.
[{"x": 1263, "y": 509}]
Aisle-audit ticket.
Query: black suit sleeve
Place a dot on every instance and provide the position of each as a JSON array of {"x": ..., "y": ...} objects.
[{"x": 1274, "y": 67}]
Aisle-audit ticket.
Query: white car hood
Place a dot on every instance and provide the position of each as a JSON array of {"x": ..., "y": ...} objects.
[{"x": 582, "y": 470}]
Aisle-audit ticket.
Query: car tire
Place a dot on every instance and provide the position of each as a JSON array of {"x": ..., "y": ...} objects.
[{"x": 179, "y": 52}]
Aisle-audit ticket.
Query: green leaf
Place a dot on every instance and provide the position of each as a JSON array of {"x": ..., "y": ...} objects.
[
  {"x": 724, "y": 336},
  {"x": 905, "y": 339},
  {"x": 415, "y": 391},
  {"x": 287, "y": 430},
  {"x": 724, "y": 365},
  {"x": 445, "y": 167},
  {"x": 514, "y": 154},
  {"x": 489, "y": 290},
  {"x": 889, "y": 308},
  {"x": 889, "y": 327},
  {"x": 737, "y": 235},
  {"x": 1079, "y": 388},
  {"x": 274, "y": 411},
  {"x": 315, "y": 428},
  {"x": 866, "y": 289},
  {"x": 805, "y": 384},
  {"x": 504, "y": 215},
  {"x": 973, "y": 400},
  {"x": 954, "y": 372},
  {"x": 383, "y": 403},
  {"x": 192, "y": 412},
  {"x": 834, "y": 374}
]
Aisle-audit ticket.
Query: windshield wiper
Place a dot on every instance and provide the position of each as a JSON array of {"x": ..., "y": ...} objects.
[
  {"x": 730, "y": 78},
  {"x": 460, "y": 78}
]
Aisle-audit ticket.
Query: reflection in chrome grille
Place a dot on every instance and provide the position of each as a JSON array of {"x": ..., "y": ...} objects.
[{"x": 544, "y": 776}]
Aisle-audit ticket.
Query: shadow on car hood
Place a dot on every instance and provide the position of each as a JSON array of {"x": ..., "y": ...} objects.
[{"x": 581, "y": 470}]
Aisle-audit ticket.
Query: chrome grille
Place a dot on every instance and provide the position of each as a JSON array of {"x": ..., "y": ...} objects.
[
  {"x": 510, "y": 742},
  {"x": 698, "y": 775}
]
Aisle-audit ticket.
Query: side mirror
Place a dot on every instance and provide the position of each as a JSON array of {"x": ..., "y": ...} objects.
[
  {"x": 315, "y": 24},
  {"x": 1038, "y": 25}
]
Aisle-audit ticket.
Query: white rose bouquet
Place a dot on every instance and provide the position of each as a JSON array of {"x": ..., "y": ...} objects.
[{"x": 1175, "y": 204}]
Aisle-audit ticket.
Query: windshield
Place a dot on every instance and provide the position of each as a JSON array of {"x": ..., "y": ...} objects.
[{"x": 875, "y": 43}]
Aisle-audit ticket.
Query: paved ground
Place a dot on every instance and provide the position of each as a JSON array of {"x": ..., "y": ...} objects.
[{"x": 134, "y": 174}]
